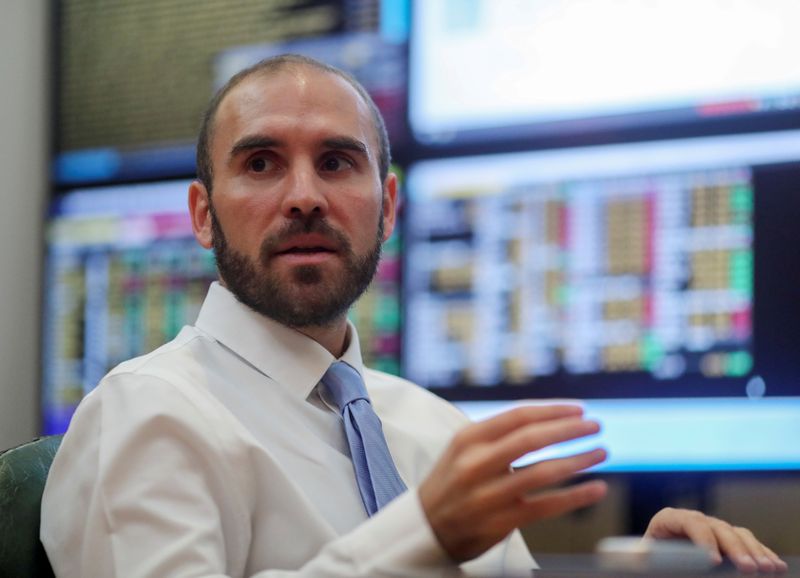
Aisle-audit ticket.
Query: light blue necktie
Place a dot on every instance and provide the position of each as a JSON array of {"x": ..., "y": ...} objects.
[{"x": 378, "y": 480}]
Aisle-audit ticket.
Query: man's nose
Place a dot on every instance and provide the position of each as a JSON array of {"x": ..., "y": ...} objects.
[{"x": 304, "y": 196}]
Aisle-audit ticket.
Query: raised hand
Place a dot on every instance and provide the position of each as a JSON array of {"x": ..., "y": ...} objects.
[{"x": 473, "y": 499}]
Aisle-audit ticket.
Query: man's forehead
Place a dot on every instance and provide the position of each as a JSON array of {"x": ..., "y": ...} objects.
[
  {"x": 305, "y": 83},
  {"x": 290, "y": 89}
]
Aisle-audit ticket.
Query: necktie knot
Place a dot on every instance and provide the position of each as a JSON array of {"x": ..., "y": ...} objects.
[{"x": 344, "y": 384}]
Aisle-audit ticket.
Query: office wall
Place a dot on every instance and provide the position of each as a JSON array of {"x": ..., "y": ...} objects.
[{"x": 24, "y": 133}]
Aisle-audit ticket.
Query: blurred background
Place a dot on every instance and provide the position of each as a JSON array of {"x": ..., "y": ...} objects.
[{"x": 600, "y": 202}]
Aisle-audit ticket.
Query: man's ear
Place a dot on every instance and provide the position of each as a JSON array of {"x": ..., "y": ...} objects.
[
  {"x": 389, "y": 205},
  {"x": 200, "y": 212}
]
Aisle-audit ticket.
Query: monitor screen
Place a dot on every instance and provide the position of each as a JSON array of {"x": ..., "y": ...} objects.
[
  {"x": 485, "y": 69},
  {"x": 134, "y": 78},
  {"x": 124, "y": 273},
  {"x": 376, "y": 60},
  {"x": 659, "y": 273}
]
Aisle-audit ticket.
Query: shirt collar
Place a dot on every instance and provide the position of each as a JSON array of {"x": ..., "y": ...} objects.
[{"x": 293, "y": 360}]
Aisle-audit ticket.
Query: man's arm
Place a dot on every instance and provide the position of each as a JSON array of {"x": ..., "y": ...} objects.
[
  {"x": 148, "y": 483},
  {"x": 473, "y": 499},
  {"x": 144, "y": 488}
]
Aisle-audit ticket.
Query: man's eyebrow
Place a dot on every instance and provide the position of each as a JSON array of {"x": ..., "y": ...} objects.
[
  {"x": 254, "y": 142},
  {"x": 249, "y": 143},
  {"x": 346, "y": 143}
]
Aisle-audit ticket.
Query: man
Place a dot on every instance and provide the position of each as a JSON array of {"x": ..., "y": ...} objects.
[{"x": 223, "y": 453}]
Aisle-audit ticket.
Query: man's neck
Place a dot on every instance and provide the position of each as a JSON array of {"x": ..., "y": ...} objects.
[{"x": 334, "y": 337}]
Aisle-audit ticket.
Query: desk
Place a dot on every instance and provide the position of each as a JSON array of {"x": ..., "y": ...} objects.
[{"x": 586, "y": 566}]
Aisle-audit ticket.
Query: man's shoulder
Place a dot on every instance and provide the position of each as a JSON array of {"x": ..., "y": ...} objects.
[
  {"x": 169, "y": 384},
  {"x": 178, "y": 369},
  {"x": 181, "y": 353}
]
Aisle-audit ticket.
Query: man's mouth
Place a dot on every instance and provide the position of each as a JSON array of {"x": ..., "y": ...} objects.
[
  {"x": 304, "y": 251},
  {"x": 303, "y": 248}
]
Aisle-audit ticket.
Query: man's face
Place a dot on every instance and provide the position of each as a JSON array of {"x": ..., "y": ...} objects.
[{"x": 297, "y": 213}]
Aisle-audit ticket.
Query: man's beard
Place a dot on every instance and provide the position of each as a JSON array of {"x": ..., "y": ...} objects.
[{"x": 307, "y": 298}]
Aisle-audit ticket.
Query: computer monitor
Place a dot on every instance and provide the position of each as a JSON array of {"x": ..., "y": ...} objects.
[
  {"x": 657, "y": 281},
  {"x": 134, "y": 78},
  {"x": 483, "y": 70},
  {"x": 124, "y": 273}
]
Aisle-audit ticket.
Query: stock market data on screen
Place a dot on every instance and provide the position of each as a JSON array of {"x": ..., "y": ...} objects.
[
  {"x": 650, "y": 273},
  {"x": 620, "y": 260},
  {"x": 124, "y": 274},
  {"x": 656, "y": 282}
]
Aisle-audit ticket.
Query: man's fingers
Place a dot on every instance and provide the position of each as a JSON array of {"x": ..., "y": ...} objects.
[
  {"x": 744, "y": 549},
  {"x": 780, "y": 565},
  {"x": 764, "y": 558},
  {"x": 676, "y": 523},
  {"x": 491, "y": 459},
  {"x": 733, "y": 546},
  {"x": 538, "y": 436},
  {"x": 512, "y": 487},
  {"x": 508, "y": 421},
  {"x": 548, "y": 473},
  {"x": 719, "y": 537},
  {"x": 552, "y": 503}
]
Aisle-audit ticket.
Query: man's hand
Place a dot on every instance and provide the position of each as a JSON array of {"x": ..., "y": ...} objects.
[
  {"x": 719, "y": 537},
  {"x": 472, "y": 499}
]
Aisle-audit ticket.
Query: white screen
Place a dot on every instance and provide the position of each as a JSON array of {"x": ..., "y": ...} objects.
[{"x": 478, "y": 64}]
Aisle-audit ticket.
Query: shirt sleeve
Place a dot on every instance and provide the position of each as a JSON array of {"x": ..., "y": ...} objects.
[{"x": 141, "y": 489}]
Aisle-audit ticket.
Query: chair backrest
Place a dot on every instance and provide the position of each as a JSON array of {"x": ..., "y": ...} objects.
[{"x": 23, "y": 472}]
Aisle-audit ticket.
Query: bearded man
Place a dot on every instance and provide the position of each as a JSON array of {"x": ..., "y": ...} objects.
[{"x": 240, "y": 447}]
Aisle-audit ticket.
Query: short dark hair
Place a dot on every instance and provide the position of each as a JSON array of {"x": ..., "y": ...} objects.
[{"x": 205, "y": 169}]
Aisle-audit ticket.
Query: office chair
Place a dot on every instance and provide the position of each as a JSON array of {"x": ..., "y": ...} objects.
[{"x": 23, "y": 471}]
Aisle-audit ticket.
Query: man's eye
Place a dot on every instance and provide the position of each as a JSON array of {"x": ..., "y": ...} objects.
[
  {"x": 336, "y": 163},
  {"x": 258, "y": 164}
]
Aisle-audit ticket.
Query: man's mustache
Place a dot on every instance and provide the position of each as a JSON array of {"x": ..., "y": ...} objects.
[{"x": 297, "y": 227}]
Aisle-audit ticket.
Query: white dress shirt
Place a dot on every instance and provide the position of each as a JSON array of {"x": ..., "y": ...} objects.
[{"x": 218, "y": 454}]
